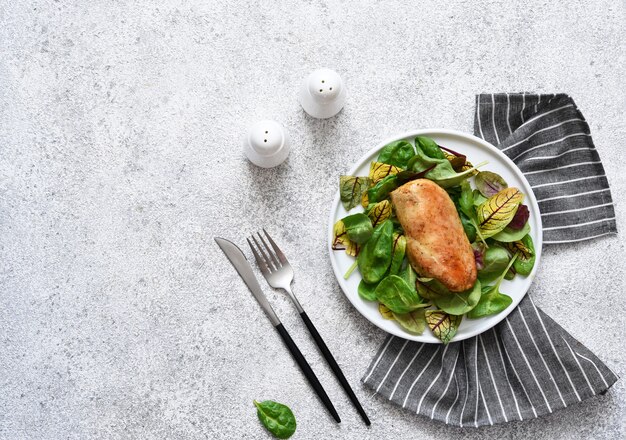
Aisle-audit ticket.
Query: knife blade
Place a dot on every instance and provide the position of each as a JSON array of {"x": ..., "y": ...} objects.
[{"x": 243, "y": 267}]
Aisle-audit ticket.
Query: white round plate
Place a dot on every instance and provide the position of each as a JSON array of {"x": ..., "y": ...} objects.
[{"x": 476, "y": 151}]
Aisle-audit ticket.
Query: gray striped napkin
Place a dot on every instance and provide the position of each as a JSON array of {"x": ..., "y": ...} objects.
[{"x": 510, "y": 372}]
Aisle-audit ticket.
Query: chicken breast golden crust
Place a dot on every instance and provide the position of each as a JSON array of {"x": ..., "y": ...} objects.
[{"x": 437, "y": 246}]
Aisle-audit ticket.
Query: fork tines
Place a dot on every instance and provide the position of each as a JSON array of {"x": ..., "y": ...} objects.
[{"x": 268, "y": 259}]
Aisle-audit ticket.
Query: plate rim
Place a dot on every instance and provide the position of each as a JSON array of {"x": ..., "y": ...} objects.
[{"x": 433, "y": 131}]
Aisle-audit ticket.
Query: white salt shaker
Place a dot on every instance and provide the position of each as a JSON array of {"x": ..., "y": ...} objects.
[
  {"x": 322, "y": 94},
  {"x": 266, "y": 144}
]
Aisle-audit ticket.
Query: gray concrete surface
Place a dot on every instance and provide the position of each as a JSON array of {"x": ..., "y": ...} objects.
[{"x": 120, "y": 159}]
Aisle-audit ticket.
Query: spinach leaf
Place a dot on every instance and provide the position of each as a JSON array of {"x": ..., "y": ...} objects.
[
  {"x": 414, "y": 322},
  {"x": 358, "y": 227},
  {"x": 459, "y": 303},
  {"x": 468, "y": 208},
  {"x": 442, "y": 174},
  {"x": 351, "y": 189},
  {"x": 443, "y": 325},
  {"x": 429, "y": 147},
  {"x": 277, "y": 418},
  {"x": 382, "y": 189},
  {"x": 489, "y": 183},
  {"x": 367, "y": 291},
  {"x": 397, "y": 295},
  {"x": 397, "y": 253},
  {"x": 397, "y": 153},
  {"x": 526, "y": 254},
  {"x": 375, "y": 257},
  {"x": 468, "y": 227},
  {"x": 492, "y": 301},
  {"x": 508, "y": 235},
  {"x": 431, "y": 288},
  {"x": 410, "y": 277},
  {"x": 495, "y": 260},
  {"x": 479, "y": 199}
]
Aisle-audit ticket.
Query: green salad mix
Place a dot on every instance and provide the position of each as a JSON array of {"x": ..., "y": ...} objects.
[{"x": 492, "y": 214}]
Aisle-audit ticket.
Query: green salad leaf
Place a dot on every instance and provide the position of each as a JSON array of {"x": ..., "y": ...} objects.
[
  {"x": 351, "y": 189},
  {"x": 379, "y": 170},
  {"x": 397, "y": 295},
  {"x": 341, "y": 241},
  {"x": 379, "y": 212},
  {"x": 507, "y": 235},
  {"x": 397, "y": 253},
  {"x": 489, "y": 183},
  {"x": 375, "y": 256},
  {"x": 459, "y": 303},
  {"x": 385, "y": 312},
  {"x": 497, "y": 211},
  {"x": 367, "y": 291},
  {"x": 526, "y": 255},
  {"x": 358, "y": 227},
  {"x": 414, "y": 322},
  {"x": 492, "y": 301},
  {"x": 443, "y": 325},
  {"x": 495, "y": 259},
  {"x": 397, "y": 153},
  {"x": 429, "y": 147},
  {"x": 277, "y": 418},
  {"x": 382, "y": 189}
]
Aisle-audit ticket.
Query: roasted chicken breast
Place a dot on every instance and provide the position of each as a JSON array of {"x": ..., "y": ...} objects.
[{"x": 437, "y": 246}]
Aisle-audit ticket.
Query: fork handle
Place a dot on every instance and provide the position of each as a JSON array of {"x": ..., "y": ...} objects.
[
  {"x": 334, "y": 366},
  {"x": 308, "y": 372}
]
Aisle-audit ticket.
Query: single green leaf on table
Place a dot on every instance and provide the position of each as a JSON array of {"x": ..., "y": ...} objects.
[
  {"x": 414, "y": 322},
  {"x": 397, "y": 153},
  {"x": 397, "y": 295},
  {"x": 351, "y": 189},
  {"x": 489, "y": 183},
  {"x": 379, "y": 212},
  {"x": 367, "y": 291},
  {"x": 508, "y": 235},
  {"x": 397, "y": 253},
  {"x": 382, "y": 189},
  {"x": 526, "y": 254},
  {"x": 497, "y": 211},
  {"x": 277, "y": 418},
  {"x": 429, "y": 147},
  {"x": 379, "y": 170},
  {"x": 375, "y": 256},
  {"x": 358, "y": 227},
  {"x": 495, "y": 259},
  {"x": 385, "y": 312},
  {"x": 492, "y": 301},
  {"x": 459, "y": 303},
  {"x": 443, "y": 325},
  {"x": 341, "y": 241}
]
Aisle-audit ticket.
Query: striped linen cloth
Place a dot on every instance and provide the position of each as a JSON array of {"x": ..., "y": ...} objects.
[{"x": 527, "y": 365}]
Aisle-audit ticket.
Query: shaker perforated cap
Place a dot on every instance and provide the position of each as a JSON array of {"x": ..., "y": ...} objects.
[
  {"x": 266, "y": 144},
  {"x": 323, "y": 94}
]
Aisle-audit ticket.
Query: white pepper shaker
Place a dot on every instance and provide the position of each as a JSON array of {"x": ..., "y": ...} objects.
[
  {"x": 322, "y": 94},
  {"x": 266, "y": 144}
]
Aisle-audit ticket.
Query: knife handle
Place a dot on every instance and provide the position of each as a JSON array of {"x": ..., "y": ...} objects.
[
  {"x": 334, "y": 366},
  {"x": 308, "y": 372}
]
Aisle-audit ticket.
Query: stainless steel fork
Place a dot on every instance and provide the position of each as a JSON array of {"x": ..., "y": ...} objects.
[{"x": 279, "y": 274}]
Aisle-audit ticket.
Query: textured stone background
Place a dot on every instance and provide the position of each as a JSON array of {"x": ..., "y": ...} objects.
[{"x": 120, "y": 159}]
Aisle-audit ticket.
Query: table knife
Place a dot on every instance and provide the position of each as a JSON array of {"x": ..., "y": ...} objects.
[{"x": 243, "y": 267}]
